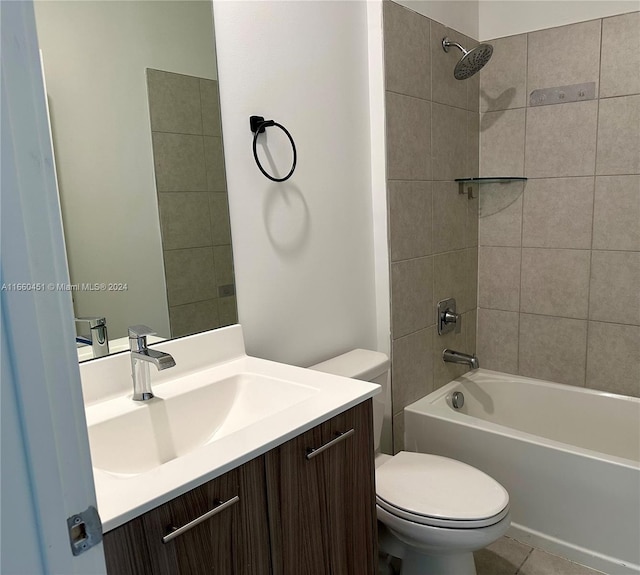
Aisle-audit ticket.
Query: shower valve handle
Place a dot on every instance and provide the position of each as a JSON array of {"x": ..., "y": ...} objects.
[{"x": 450, "y": 317}]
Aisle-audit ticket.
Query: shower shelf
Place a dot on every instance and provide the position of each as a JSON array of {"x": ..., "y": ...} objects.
[
  {"x": 494, "y": 180},
  {"x": 490, "y": 180}
]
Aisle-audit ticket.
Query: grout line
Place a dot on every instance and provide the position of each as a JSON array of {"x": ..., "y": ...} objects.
[
  {"x": 531, "y": 550},
  {"x": 593, "y": 208},
  {"x": 524, "y": 189},
  {"x": 555, "y": 316}
]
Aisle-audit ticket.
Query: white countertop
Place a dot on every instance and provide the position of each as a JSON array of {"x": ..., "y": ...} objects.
[{"x": 106, "y": 381}]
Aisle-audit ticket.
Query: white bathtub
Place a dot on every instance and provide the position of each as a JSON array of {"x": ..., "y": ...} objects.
[{"x": 569, "y": 457}]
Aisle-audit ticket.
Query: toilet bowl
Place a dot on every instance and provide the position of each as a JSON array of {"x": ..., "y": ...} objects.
[{"x": 433, "y": 511}]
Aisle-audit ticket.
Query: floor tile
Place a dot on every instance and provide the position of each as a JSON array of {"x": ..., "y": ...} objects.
[
  {"x": 541, "y": 563},
  {"x": 504, "y": 557}
]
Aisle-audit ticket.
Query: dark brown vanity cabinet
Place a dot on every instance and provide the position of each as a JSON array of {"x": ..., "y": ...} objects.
[
  {"x": 322, "y": 504},
  {"x": 306, "y": 507}
]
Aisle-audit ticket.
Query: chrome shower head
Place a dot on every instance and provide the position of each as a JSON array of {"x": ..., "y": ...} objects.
[{"x": 472, "y": 60}]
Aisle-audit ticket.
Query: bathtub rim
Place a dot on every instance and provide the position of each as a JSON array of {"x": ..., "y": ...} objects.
[{"x": 432, "y": 405}]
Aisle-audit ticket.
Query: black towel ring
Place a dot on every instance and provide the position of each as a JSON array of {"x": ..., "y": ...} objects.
[{"x": 258, "y": 125}]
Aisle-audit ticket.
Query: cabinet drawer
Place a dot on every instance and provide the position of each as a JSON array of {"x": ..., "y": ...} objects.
[{"x": 231, "y": 540}]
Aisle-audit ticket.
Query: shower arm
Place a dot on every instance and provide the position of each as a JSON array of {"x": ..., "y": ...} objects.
[{"x": 446, "y": 44}]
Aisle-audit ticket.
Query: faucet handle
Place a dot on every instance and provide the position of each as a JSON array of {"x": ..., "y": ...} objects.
[
  {"x": 138, "y": 336},
  {"x": 448, "y": 319},
  {"x": 140, "y": 330}
]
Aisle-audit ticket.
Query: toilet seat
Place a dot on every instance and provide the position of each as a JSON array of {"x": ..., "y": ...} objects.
[{"x": 440, "y": 492}]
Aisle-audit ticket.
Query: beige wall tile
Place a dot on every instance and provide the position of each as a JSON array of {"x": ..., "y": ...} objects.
[
  {"x": 471, "y": 322},
  {"x": 558, "y": 213},
  {"x": 499, "y": 278},
  {"x": 190, "y": 275},
  {"x": 553, "y": 348},
  {"x": 608, "y": 343},
  {"x": 453, "y": 278},
  {"x": 473, "y": 145},
  {"x": 194, "y": 317},
  {"x": 408, "y": 148},
  {"x": 412, "y": 368},
  {"x": 503, "y": 81},
  {"x": 615, "y": 287},
  {"x": 471, "y": 229},
  {"x": 210, "y": 99},
  {"x": 564, "y": 55},
  {"x": 473, "y": 90},
  {"x": 412, "y": 306},
  {"x": 449, "y": 217},
  {"x": 555, "y": 282},
  {"x": 498, "y": 340},
  {"x": 616, "y": 218},
  {"x": 561, "y": 140},
  {"x": 450, "y": 143},
  {"x": 502, "y": 136},
  {"x": 620, "y": 55},
  {"x": 409, "y": 219},
  {"x": 398, "y": 432},
  {"x": 179, "y": 163},
  {"x": 445, "y": 89},
  {"x": 407, "y": 59},
  {"x": 214, "y": 159},
  {"x": 219, "y": 212},
  {"x": 502, "y": 228},
  {"x": 174, "y": 102},
  {"x": 184, "y": 219},
  {"x": 472, "y": 278},
  {"x": 619, "y": 136}
]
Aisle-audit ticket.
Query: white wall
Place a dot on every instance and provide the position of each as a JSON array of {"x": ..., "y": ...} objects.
[
  {"x": 379, "y": 175},
  {"x": 498, "y": 18},
  {"x": 462, "y": 15},
  {"x": 303, "y": 250},
  {"x": 95, "y": 55}
]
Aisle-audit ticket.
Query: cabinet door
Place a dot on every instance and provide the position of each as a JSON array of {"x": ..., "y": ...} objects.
[
  {"x": 322, "y": 508},
  {"x": 232, "y": 541}
]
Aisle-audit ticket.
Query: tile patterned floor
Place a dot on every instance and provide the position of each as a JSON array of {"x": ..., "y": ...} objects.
[{"x": 510, "y": 557}]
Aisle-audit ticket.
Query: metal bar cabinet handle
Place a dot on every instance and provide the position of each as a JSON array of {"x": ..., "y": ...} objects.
[
  {"x": 311, "y": 453},
  {"x": 180, "y": 530}
]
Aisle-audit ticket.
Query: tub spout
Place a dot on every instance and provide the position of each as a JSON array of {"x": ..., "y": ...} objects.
[{"x": 452, "y": 356}]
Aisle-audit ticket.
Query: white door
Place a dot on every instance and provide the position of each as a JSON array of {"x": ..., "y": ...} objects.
[{"x": 46, "y": 468}]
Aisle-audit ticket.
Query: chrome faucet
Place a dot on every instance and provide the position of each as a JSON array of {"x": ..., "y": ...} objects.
[
  {"x": 141, "y": 357},
  {"x": 97, "y": 337},
  {"x": 452, "y": 356}
]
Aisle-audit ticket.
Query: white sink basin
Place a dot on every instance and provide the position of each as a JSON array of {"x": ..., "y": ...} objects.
[{"x": 131, "y": 437}]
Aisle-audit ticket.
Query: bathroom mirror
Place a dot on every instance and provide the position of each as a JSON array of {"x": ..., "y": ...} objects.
[{"x": 135, "y": 119}]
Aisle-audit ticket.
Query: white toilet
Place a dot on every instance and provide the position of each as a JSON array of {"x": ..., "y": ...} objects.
[{"x": 433, "y": 511}]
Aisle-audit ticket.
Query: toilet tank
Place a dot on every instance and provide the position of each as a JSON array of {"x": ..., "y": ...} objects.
[{"x": 366, "y": 365}]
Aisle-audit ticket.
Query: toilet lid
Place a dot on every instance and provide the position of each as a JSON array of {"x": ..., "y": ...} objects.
[{"x": 417, "y": 484}]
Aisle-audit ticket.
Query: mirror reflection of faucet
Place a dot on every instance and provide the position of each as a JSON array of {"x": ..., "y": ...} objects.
[
  {"x": 97, "y": 337},
  {"x": 141, "y": 357}
]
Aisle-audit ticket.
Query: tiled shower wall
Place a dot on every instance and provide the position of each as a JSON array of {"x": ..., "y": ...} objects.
[
  {"x": 192, "y": 198},
  {"x": 432, "y": 138},
  {"x": 559, "y": 259}
]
